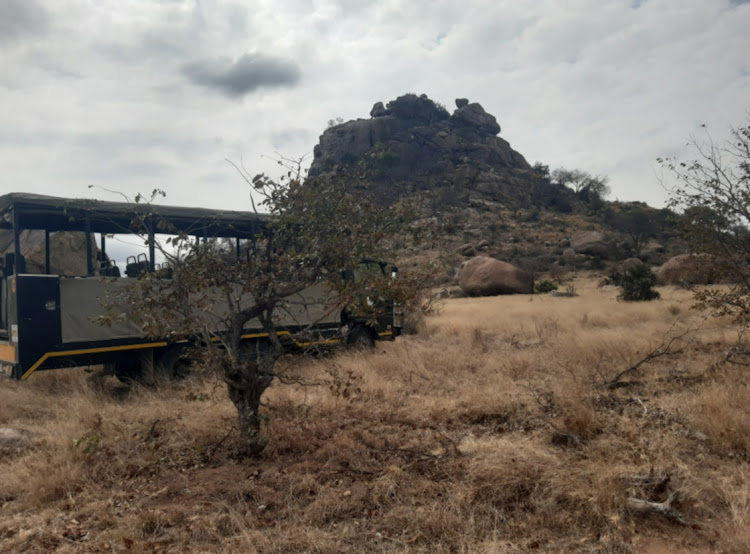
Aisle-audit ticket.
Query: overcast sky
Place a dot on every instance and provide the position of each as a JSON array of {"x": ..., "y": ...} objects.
[{"x": 131, "y": 96}]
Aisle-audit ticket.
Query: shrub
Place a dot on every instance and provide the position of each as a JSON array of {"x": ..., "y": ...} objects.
[
  {"x": 636, "y": 284},
  {"x": 545, "y": 286}
]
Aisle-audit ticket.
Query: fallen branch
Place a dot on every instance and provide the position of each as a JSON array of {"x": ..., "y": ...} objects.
[
  {"x": 654, "y": 480},
  {"x": 209, "y": 454},
  {"x": 664, "y": 349},
  {"x": 662, "y": 509},
  {"x": 421, "y": 455},
  {"x": 154, "y": 432},
  {"x": 451, "y": 442}
]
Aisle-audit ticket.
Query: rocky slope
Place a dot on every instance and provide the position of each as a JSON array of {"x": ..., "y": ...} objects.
[{"x": 483, "y": 196}]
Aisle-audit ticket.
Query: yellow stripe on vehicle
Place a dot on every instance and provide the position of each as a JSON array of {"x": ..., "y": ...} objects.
[
  {"x": 61, "y": 353},
  {"x": 260, "y": 335},
  {"x": 310, "y": 343},
  {"x": 385, "y": 334},
  {"x": 254, "y": 336}
]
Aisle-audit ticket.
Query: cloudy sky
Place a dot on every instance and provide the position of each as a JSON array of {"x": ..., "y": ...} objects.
[{"x": 131, "y": 96}]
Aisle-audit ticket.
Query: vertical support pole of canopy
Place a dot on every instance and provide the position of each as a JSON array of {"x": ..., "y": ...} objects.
[
  {"x": 16, "y": 241},
  {"x": 237, "y": 247},
  {"x": 46, "y": 252},
  {"x": 151, "y": 248},
  {"x": 89, "y": 261},
  {"x": 103, "y": 247}
]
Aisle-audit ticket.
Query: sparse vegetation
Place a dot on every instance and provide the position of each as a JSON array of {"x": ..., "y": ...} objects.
[
  {"x": 712, "y": 192},
  {"x": 637, "y": 284},
  {"x": 493, "y": 430},
  {"x": 545, "y": 286}
]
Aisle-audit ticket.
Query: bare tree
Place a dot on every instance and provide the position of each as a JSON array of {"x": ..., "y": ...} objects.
[
  {"x": 317, "y": 228},
  {"x": 712, "y": 192},
  {"x": 590, "y": 189},
  {"x": 580, "y": 180}
]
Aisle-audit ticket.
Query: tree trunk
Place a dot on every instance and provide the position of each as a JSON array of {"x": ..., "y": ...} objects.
[{"x": 246, "y": 385}]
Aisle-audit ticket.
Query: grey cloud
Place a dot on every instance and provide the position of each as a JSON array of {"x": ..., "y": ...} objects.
[
  {"x": 121, "y": 142},
  {"x": 285, "y": 137},
  {"x": 19, "y": 18},
  {"x": 242, "y": 76}
]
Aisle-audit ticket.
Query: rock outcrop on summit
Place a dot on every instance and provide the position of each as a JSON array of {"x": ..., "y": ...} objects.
[{"x": 413, "y": 144}]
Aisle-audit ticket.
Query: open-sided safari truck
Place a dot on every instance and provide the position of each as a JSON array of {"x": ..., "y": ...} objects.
[{"x": 47, "y": 320}]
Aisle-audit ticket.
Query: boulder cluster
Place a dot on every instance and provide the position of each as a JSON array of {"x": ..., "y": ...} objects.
[{"x": 414, "y": 144}]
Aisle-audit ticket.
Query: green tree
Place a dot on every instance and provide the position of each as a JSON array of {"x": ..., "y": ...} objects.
[
  {"x": 637, "y": 224},
  {"x": 317, "y": 228},
  {"x": 637, "y": 284},
  {"x": 711, "y": 191}
]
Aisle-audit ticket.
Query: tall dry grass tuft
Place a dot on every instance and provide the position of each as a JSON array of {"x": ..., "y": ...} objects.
[{"x": 722, "y": 412}]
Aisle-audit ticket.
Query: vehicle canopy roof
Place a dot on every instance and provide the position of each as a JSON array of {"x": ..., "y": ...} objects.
[{"x": 51, "y": 213}]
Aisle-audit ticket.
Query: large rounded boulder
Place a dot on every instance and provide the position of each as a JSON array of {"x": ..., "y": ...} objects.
[
  {"x": 687, "y": 269},
  {"x": 591, "y": 243},
  {"x": 483, "y": 276}
]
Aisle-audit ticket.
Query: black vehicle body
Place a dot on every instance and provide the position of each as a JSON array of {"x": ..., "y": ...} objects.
[{"x": 46, "y": 320}]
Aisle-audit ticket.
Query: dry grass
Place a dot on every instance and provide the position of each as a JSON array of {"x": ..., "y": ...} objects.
[{"x": 491, "y": 431}]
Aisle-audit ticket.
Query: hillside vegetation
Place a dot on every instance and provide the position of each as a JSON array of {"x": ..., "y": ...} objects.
[{"x": 502, "y": 427}]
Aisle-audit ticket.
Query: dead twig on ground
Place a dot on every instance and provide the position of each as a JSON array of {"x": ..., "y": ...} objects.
[
  {"x": 211, "y": 451},
  {"x": 153, "y": 433},
  {"x": 663, "y": 509},
  {"x": 655, "y": 481},
  {"x": 665, "y": 348},
  {"x": 451, "y": 442},
  {"x": 419, "y": 455}
]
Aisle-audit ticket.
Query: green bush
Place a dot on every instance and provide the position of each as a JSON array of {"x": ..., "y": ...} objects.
[
  {"x": 636, "y": 284},
  {"x": 545, "y": 286}
]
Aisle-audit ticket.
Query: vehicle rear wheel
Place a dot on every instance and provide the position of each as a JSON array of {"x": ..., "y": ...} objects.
[
  {"x": 128, "y": 369},
  {"x": 174, "y": 364},
  {"x": 361, "y": 337}
]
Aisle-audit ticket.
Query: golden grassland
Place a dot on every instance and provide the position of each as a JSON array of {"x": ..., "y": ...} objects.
[{"x": 492, "y": 430}]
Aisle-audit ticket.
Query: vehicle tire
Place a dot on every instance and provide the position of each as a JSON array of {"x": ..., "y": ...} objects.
[
  {"x": 174, "y": 364},
  {"x": 128, "y": 370},
  {"x": 361, "y": 337}
]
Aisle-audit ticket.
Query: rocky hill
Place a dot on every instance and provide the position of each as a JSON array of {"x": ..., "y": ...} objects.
[
  {"x": 483, "y": 196},
  {"x": 414, "y": 145}
]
